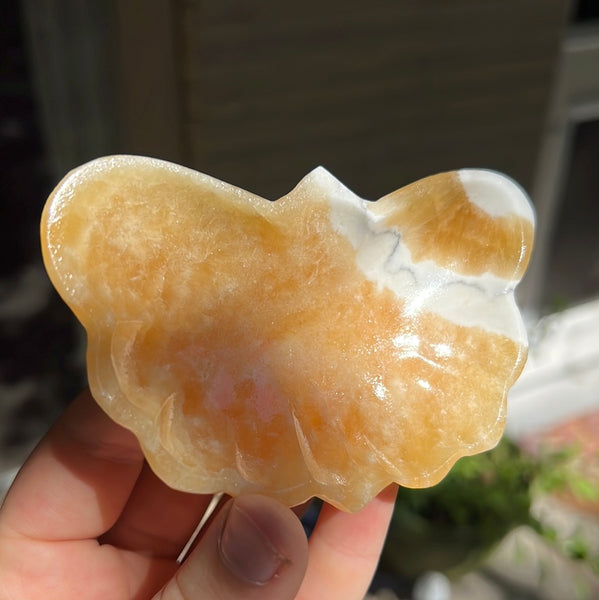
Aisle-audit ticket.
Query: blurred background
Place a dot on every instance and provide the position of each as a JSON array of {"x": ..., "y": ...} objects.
[{"x": 381, "y": 93}]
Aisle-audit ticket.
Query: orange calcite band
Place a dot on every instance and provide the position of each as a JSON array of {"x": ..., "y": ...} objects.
[{"x": 319, "y": 345}]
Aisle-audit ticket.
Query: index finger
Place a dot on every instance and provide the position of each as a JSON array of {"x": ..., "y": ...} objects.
[
  {"x": 77, "y": 481},
  {"x": 345, "y": 549}
]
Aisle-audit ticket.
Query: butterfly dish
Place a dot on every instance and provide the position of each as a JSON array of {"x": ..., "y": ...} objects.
[{"x": 319, "y": 345}]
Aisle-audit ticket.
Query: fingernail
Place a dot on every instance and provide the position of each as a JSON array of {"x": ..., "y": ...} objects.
[{"x": 246, "y": 549}]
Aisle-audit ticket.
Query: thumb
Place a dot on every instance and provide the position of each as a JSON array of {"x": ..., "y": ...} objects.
[{"x": 254, "y": 548}]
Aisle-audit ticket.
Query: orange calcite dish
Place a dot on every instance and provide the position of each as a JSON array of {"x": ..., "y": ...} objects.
[{"x": 320, "y": 345}]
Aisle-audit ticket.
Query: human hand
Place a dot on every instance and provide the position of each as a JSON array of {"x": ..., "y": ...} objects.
[{"x": 87, "y": 519}]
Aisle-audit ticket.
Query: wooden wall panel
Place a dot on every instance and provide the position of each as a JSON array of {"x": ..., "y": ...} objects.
[{"x": 380, "y": 92}]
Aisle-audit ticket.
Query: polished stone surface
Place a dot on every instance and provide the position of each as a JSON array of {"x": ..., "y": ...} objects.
[{"x": 319, "y": 345}]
